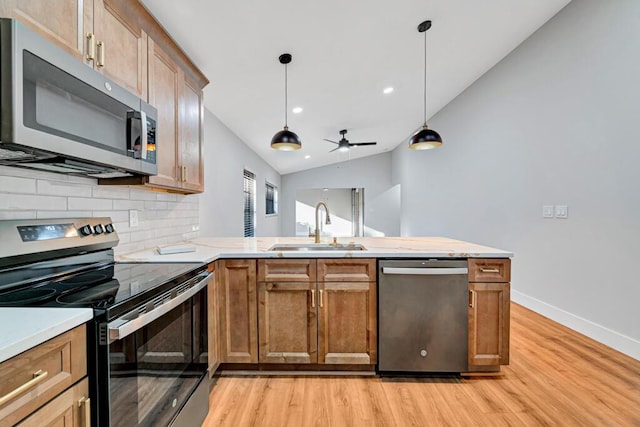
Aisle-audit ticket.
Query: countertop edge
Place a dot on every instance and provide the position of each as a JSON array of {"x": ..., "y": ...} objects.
[{"x": 33, "y": 326}]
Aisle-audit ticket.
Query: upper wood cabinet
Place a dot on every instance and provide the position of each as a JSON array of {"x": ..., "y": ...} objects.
[
  {"x": 120, "y": 50},
  {"x": 121, "y": 40},
  {"x": 64, "y": 22}
]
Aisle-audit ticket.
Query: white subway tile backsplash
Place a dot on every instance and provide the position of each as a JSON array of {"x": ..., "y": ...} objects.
[
  {"x": 82, "y": 203},
  {"x": 62, "y": 214},
  {"x": 17, "y": 214},
  {"x": 63, "y": 188},
  {"x": 12, "y": 184},
  {"x": 20, "y": 202},
  {"x": 110, "y": 192},
  {"x": 163, "y": 217}
]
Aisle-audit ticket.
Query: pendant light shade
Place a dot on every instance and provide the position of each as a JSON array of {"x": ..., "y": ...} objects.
[
  {"x": 285, "y": 140},
  {"x": 425, "y": 138}
]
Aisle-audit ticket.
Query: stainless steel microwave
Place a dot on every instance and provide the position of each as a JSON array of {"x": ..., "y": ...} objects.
[{"x": 59, "y": 115}]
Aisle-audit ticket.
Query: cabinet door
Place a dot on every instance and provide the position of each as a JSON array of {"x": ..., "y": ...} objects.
[
  {"x": 191, "y": 127},
  {"x": 164, "y": 87},
  {"x": 347, "y": 323},
  {"x": 64, "y": 22},
  {"x": 287, "y": 322},
  {"x": 70, "y": 409},
  {"x": 213, "y": 320},
  {"x": 488, "y": 324},
  {"x": 121, "y": 44},
  {"x": 238, "y": 318}
]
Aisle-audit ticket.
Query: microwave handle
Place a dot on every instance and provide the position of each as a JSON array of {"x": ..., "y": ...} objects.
[
  {"x": 143, "y": 151},
  {"x": 120, "y": 328}
]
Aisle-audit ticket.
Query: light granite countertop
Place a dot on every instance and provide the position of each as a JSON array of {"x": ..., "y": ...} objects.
[
  {"x": 208, "y": 249},
  {"x": 24, "y": 328}
]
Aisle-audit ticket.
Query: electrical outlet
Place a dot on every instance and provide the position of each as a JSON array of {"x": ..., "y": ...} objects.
[
  {"x": 133, "y": 218},
  {"x": 547, "y": 211},
  {"x": 562, "y": 211}
]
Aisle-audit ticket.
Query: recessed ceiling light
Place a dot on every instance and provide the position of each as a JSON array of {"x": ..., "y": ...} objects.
[
  {"x": 297, "y": 110},
  {"x": 388, "y": 90},
  {"x": 307, "y": 156}
]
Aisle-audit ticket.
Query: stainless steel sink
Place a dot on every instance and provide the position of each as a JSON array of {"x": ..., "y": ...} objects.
[{"x": 317, "y": 247}]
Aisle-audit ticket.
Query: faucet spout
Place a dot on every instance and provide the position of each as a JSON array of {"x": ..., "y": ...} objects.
[{"x": 318, "y": 222}]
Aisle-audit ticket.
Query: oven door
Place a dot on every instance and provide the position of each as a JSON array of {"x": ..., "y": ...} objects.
[{"x": 156, "y": 360}]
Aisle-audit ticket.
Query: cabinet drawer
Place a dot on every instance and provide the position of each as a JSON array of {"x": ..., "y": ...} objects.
[
  {"x": 489, "y": 270},
  {"x": 59, "y": 362},
  {"x": 286, "y": 270},
  {"x": 347, "y": 270},
  {"x": 71, "y": 409}
]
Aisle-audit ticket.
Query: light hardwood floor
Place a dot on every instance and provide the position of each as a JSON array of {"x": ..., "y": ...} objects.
[{"x": 557, "y": 377}]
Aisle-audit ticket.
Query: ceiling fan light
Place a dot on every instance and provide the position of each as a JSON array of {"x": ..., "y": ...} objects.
[
  {"x": 343, "y": 149},
  {"x": 285, "y": 140},
  {"x": 425, "y": 139}
]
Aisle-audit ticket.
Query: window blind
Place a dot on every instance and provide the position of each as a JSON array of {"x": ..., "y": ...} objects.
[
  {"x": 271, "y": 199},
  {"x": 249, "y": 192}
]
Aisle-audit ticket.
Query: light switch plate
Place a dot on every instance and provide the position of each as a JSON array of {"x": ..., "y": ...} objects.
[
  {"x": 547, "y": 211},
  {"x": 562, "y": 211}
]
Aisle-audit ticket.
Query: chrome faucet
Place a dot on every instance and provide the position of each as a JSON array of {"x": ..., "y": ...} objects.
[{"x": 318, "y": 222}]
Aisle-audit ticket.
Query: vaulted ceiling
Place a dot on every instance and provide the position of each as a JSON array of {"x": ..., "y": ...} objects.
[{"x": 345, "y": 53}]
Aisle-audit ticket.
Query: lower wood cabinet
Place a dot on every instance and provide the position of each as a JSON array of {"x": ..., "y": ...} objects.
[
  {"x": 316, "y": 322},
  {"x": 238, "y": 311},
  {"x": 489, "y": 314},
  {"x": 70, "y": 409},
  {"x": 213, "y": 320},
  {"x": 46, "y": 384},
  {"x": 347, "y": 323},
  {"x": 287, "y": 322}
]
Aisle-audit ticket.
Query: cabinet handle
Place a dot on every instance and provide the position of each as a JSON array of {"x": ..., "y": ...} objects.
[
  {"x": 101, "y": 49},
  {"x": 91, "y": 47},
  {"x": 38, "y": 377},
  {"x": 85, "y": 411},
  {"x": 472, "y": 297},
  {"x": 321, "y": 298},
  {"x": 313, "y": 298},
  {"x": 185, "y": 174},
  {"x": 489, "y": 270}
]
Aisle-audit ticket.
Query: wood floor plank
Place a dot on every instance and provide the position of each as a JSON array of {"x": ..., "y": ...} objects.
[{"x": 557, "y": 377}]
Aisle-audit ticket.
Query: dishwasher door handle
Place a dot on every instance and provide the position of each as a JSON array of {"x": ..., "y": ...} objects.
[{"x": 424, "y": 271}]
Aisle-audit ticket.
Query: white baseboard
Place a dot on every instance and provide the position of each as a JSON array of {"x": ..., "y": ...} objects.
[{"x": 606, "y": 336}]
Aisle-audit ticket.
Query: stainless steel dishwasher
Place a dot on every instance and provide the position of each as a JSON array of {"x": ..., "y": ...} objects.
[{"x": 422, "y": 315}]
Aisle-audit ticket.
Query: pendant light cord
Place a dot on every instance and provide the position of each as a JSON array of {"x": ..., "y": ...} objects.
[
  {"x": 285, "y": 96},
  {"x": 425, "y": 78}
]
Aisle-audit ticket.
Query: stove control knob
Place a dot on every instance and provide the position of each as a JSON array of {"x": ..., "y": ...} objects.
[
  {"x": 86, "y": 230},
  {"x": 98, "y": 229},
  {"x": 109, "y": 228}
]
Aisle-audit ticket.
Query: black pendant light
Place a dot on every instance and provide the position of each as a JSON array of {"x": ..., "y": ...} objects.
[
  {"x": 285, "y": 140},
  {"x": 425, "y": 138}
]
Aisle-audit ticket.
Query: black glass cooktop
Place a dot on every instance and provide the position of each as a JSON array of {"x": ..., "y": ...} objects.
[{"x": 101, "y": 288}]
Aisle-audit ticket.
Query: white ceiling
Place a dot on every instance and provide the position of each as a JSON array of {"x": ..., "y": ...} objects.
[{"x": 345, "y": 52}]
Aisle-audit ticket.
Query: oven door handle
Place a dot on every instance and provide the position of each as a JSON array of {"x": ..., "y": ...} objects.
[{"x": 122, "y": 327}]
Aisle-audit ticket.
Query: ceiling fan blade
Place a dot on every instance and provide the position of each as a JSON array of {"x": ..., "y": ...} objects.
[
  {"x": 355, "y": 144},
  {"x": 337, "y": 148},
  {"x": 328, "y": 140}
]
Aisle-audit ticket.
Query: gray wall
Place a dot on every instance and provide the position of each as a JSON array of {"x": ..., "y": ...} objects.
[
  {"x": 221, "y": 204},
  {"x": 381, "y": 197},
  {"x": 556, "y": 122}
]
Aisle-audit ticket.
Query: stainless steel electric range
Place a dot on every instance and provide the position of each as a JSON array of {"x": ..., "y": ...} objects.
[{"x": 147, "y": 341}]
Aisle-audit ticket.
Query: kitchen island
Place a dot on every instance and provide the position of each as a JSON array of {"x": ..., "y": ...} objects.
[{"x": 305, "y": 306}]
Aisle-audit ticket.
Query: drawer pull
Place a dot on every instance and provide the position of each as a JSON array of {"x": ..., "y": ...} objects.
[
  {"x": 91, "y": 47},
  {"x": 85, "y": 411},
  {"x": 38, "y": 377},
  {"x": 489, "y": 270}
]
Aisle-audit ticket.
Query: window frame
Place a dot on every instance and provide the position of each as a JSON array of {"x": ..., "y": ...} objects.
[
  {"x": 274, "y": 188},
  {"x": 249, "y": 201}
]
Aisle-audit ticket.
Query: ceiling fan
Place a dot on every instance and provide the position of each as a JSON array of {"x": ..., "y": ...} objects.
[{"x": 345, "y": 145}]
